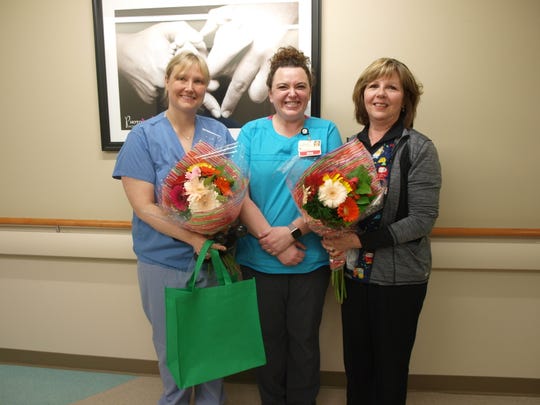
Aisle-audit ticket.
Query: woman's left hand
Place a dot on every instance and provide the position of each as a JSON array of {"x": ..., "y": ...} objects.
[{"x": 340, "y": 242}]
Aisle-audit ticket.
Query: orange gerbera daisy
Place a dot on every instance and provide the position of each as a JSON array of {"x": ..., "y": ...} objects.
[
  {"x": 348, "y": 210},
  {"x": 223, "y": 185},
  {"x": 207, "y": 170}
]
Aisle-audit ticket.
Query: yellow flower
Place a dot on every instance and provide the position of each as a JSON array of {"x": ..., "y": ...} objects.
[
  {"x": 200, "y": 165},
  {"x": 338, "y": 177}
]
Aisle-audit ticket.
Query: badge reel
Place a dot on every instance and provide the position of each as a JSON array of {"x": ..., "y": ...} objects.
[{"x": 308, "y": 147}]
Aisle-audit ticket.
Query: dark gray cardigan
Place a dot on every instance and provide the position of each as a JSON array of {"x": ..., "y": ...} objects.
[{"x": 401, "y": 246}]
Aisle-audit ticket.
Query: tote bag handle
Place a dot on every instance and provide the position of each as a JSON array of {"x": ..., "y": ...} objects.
[{"x": 221, "y": 272}]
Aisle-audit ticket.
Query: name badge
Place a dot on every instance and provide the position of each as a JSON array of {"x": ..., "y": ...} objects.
[{"x": 309, "y": 148}]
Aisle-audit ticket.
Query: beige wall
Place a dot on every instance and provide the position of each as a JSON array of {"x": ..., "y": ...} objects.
[
  {"x": 479, "y": 61},
  {"x": 76, "y": 292}
]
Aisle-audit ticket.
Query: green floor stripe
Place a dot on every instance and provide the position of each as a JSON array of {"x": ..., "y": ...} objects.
[{"x": 20, "y": 385}]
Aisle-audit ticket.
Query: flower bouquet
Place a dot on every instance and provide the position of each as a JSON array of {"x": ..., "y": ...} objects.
[
  {"x": 204, "y": 192},
  {"x": 335, "y": 193}
]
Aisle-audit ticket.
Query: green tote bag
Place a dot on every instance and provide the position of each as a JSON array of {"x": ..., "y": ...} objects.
[{"x": 212, "y": 332}]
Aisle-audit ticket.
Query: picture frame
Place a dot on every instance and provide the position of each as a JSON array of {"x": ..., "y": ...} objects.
[{"x": 130, "y": 38}]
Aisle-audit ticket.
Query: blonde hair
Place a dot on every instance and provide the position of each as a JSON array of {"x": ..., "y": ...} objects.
[
  {"x": 185, "y": 60},
  {"x": 384, "y": 67}
]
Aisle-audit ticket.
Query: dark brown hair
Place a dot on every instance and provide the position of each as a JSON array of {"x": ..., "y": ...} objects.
[{"x": 288, "y": 57}]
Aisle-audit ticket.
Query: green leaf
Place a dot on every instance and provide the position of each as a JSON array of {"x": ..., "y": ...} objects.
[
  {"x": 364, "y": 200},
  {"x": 363, "y": 189}
]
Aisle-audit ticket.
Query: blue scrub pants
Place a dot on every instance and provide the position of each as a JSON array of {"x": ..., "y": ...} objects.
[{"x": 152, "y": 282}]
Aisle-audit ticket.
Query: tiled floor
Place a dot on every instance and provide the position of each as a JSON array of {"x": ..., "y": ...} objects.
[
  {"x": 42, "y": 386},
  {"x": 146, "y": 390}
]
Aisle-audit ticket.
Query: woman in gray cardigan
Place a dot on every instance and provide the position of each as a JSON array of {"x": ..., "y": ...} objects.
[{"x": 389, "y": 254}]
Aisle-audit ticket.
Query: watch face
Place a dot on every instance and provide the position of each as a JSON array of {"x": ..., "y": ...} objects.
[{"x": 296, "y": 233}]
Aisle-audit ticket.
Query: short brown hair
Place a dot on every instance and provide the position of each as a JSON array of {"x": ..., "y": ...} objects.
[
  {"x": 289, "y": 57},
  {"x": 384, "y": 67}
]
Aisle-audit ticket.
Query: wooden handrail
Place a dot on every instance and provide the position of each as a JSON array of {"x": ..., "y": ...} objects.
[
  {"x": 487, "y": 232},
  {"x": 438, "y": 232},
  {"x": 67, "y": 223}
]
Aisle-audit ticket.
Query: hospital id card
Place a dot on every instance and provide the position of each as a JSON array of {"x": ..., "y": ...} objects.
[{"x": 309, "y": 148}]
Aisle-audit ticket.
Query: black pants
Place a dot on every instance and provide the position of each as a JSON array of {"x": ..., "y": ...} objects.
[
  {"x": 379, "y": 329},
  {"x": 290, "y": 307}
]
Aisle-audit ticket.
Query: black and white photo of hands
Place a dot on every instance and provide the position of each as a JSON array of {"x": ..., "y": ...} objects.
[
  {"x": 144, "y": 55},
  {"x": 244, "y": 37}
]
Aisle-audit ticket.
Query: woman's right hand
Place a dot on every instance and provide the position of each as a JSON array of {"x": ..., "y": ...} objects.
[
  {"x": 291, "y": 256},
  {"x": 198, "y": 241}
]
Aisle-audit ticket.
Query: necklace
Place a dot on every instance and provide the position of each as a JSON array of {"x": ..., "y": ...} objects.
[{"x": 177, "y": 131}]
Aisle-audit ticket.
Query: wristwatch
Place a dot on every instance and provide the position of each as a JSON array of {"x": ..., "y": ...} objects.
[{"x": 295, "y": 232}]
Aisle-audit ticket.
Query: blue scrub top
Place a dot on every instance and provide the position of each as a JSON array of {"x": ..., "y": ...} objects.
[
  {"x": 150, "y": 151},
  {"x": 270, "y": 156}
]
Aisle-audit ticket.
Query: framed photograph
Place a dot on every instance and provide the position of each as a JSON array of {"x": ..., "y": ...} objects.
[{"x": 135, "y": 39}]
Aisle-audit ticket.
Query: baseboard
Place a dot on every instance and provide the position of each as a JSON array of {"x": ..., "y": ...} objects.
[
  {"x": 78, "y": 362},
  {"x": 431, "y": 383},
  {"x": 475, "y": 385}
]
